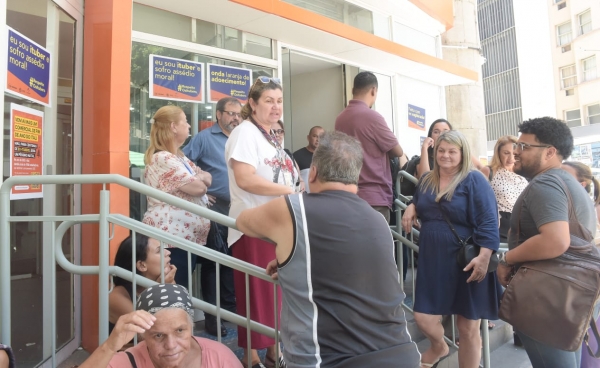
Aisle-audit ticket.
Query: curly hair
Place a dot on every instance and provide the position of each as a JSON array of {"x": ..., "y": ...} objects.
[{"x": 550, "y": 131}]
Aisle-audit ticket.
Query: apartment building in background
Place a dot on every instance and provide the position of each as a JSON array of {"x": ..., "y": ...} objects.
[
  {"x": 575, "y": 26},
  {"x": 575, "y": 29}
]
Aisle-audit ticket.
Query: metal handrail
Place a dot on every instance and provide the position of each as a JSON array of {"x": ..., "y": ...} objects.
[{"x": 103, "y": 270}]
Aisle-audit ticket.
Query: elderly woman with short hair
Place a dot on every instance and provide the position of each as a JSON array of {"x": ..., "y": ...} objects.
[{"x": 164, "y": 319}]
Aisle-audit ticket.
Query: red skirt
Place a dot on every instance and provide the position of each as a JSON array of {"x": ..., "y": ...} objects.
[{"x": 259, "y": 253}]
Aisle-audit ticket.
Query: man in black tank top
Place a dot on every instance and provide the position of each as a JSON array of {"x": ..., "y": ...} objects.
[{"x": 341, "y": 296}]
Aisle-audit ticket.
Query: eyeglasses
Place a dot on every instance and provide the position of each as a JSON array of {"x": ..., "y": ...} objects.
[
  {"x": 525, "y": 146},
  {"x": 265, "y": 79},
  {"x": 231, "y": 113},
  {"x": 278, "y": 131}
]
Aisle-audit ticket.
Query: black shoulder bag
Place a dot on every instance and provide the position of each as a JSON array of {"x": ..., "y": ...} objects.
[{"x": 468, "y": 250}]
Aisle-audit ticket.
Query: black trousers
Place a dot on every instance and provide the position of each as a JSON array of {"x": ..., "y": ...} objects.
[{"x": 208, "y": 271}]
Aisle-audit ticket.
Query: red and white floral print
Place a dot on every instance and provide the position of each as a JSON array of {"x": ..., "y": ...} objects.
[{"x": 167, "y": 172}]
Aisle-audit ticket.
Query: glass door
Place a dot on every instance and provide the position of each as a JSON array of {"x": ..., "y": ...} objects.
[{"x": 54, "y": 29}]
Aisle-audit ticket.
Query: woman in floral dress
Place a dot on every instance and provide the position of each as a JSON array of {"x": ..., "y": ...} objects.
[{"x": 169, "y": 170}]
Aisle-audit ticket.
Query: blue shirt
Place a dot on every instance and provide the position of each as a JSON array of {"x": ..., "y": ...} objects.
[{"x": 207, "y": 150}]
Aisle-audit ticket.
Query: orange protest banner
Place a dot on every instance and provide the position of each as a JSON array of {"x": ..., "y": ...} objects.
[{"x": 26, "y": 157}]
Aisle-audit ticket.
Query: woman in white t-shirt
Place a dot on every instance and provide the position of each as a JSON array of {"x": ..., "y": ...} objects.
[{"x": 259, "y": 170}]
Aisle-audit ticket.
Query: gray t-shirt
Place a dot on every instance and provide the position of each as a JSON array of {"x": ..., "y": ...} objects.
[{"x": 544, "y": 200}]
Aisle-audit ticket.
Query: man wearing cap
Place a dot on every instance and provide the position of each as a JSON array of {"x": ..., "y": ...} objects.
[
  {"x": 164, "y": 320},
  {"x": 334, "y": 313},
  {"x": 207, "y": 150}
]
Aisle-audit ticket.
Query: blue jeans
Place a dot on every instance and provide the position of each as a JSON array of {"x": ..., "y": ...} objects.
[{"x": 544, "y": 356}]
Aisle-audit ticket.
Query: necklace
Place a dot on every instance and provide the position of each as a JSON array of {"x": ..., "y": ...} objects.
[{"x": 281, "y": 156}]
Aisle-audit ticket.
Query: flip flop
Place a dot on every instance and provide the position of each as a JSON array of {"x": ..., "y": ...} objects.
[
  {"x": 430, "y": 365},
  {"x": 434, "y": 364}
]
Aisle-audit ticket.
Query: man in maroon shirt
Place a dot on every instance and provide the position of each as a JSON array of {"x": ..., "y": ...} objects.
[{"x": 378, "y": 142}]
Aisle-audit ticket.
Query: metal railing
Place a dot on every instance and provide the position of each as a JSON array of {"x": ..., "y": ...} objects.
[
  {"x": 408, "y": 240},
  {"x": 106, "y": 221}
]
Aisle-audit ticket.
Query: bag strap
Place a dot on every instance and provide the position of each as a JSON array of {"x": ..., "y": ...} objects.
[
  {"x": 594, "y": 329},
  {"x": 491, "y": 174},
  {"x": 451, "y": 226},
  {"x": 131, "y": 359},
  {"x": 580, "y": 230}
]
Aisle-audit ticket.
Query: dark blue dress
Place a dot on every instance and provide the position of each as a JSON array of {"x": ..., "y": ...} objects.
[{"x": 442, "y": 287}]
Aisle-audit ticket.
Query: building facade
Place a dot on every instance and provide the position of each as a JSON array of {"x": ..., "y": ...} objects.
[
  {"x": 575, "y": 29},
  {"x": 516, "y": 76},
  {"x": 95, "y": 90}
]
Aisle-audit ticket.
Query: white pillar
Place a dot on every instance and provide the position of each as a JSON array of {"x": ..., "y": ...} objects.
[{"x": 464, "y": 103}]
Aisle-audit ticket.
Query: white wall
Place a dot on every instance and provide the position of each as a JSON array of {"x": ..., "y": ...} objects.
[
  {"x": 423, "y": 95},
  {"x": 316, "y": 99},
  {"x": 534, "y": 45}
]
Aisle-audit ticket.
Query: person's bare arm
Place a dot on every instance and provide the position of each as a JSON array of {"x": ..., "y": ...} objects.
[
  {"x": 119, "y": 303},
  {"x": 477, "y": 163},
  {"x": 125, "y": 329},
  {"x": 271, "y": 221},
  {"x": 423, "y": 166},
  {"x": 206, "y": 177},
  {"x": 485, "y": 170},
  {"x": 3, "y": 359},
  {"x": 247, "y": 179},
  {"x": 395, "y": 152},
  {"x": 552, "y": 241},
  {"x": 196, "y": 188}
]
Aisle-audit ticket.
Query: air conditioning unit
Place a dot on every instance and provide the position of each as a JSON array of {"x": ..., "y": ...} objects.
[
  {"x": 570, "y": 92},
  {"x": 562, "y": 5},
  {"x": 566, "y": 48}
]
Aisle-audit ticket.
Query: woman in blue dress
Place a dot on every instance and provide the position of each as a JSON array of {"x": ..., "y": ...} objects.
[{"x": 443, "y": 288}]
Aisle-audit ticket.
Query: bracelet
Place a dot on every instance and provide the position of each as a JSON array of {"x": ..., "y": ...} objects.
[{"x": 502, "y": 260}]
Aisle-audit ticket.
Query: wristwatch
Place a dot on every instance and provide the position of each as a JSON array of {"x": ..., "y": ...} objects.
[{"x": 502, "y": 260}]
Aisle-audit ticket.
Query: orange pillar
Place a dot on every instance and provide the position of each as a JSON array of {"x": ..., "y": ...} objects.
[{"x": 106, "y": 75}]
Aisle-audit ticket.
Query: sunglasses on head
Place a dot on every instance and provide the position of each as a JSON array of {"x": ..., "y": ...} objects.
[{"x": 265, "y": 79}]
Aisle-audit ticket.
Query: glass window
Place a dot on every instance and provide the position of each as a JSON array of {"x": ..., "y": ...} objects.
[
  {"x": 585, "y": 22},
  {"x": 593, "y": 112},
  {"x": 381, "y": 26},
  {"x": 143, "y": 107},
  {"x": 413, "y": 38},
  {"x": 161, "y": 23},
  {"x": 568, "y": 76},
  {"x": 589, "y": 68},
  {"x": 26, "y": 238},
  {"x": 573, "y": 118},
  {"x": 564, "y": 33},
  {"x": 340, "y": 11},
  {"x": 211, "y": 34}
]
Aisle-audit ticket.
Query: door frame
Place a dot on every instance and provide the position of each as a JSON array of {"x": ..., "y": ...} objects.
[{"x": 74, "y": 9}]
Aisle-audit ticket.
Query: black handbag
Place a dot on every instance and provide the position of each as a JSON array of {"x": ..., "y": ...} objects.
[
  {"x": 215, "y": 239},
  {"x": 468, "y": 250}
]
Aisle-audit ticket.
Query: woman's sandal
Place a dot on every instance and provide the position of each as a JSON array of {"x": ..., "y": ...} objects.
[
  {"x": 270, "y": 362},
  {"x": 434, "y": 364}
]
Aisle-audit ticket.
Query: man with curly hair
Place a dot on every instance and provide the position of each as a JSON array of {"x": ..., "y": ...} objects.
[{"x": 542, "y": 217}]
